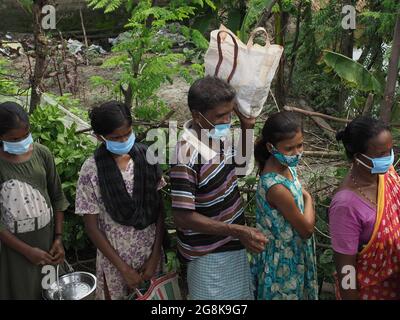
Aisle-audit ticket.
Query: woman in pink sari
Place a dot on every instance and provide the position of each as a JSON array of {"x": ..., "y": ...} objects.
[{"x": 364, "y": 215}]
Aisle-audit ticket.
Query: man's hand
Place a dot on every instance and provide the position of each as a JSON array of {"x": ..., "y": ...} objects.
[
  {"x": 253, "y": 239},
  {"x": 245, "y": 123}
]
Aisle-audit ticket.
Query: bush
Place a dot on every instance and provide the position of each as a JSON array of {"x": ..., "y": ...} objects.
[{"x": 70, "y": 150}]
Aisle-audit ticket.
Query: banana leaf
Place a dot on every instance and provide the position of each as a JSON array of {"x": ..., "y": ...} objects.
[
  {"x": 352, "y": 72},
  {"x": 254, "y": 12}
]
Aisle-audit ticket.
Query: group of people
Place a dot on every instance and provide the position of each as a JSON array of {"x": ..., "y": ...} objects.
[{"x": 119, "y": 196}]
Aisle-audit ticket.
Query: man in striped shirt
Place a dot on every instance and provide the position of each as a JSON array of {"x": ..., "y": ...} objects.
[{"x": 207, "y": 207}]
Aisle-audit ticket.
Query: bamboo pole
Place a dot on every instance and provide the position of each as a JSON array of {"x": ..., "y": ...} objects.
[{"x": 315, "y": 114}]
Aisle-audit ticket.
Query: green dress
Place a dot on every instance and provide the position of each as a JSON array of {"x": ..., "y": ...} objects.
[
  {"x": 30, "y": 193},
  {"x": 286, "y": 269}
]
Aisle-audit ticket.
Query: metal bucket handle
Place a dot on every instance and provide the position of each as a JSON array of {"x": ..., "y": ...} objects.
[{"x": 70, "y": 270}]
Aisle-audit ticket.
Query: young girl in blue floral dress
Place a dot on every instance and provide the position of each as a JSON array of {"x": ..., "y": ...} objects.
[{"x": 286, "y": 269}]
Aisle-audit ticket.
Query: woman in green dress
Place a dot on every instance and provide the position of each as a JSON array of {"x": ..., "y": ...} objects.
[
  {"x": 286, "y": 269},
  {"x": 31, "y": 208}
]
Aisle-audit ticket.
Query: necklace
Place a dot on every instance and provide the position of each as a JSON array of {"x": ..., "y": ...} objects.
[{"x": 361, "y": 192}]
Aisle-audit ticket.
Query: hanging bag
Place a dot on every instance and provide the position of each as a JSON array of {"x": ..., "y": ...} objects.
[{"x": 249, "y": 68}]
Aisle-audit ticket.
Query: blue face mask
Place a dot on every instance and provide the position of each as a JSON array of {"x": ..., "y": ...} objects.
[
  {"x": 379, "y": 165},
  {"x": 120, "y": 148},
  {"x": 220, "y": 130},
  {"x": 289, "y": 161},
  {"x": 19, "y": 147}
]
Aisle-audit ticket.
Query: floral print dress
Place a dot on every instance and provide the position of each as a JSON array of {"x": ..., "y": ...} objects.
[
  {"x": 286, "y": 269},
  {"x": 133, "y": 246}
]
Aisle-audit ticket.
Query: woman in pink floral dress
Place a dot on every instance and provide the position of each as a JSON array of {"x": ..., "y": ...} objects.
[{"x": 118, "y": 195}]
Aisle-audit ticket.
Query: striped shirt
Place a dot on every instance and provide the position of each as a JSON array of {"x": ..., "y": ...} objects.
[{"x": 209, "y": 187}]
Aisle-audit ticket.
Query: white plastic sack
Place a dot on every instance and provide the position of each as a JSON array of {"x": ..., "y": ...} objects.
[{"x": 248, "y": 68}]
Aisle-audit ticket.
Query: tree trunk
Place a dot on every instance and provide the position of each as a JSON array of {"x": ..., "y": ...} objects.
[
  {"x": 346, "y": 48},
  {"x": 375, "y": 44},
  {"x": 376, "y": 55},
  {"x": 40, "y": 42},
  {"x": 393, "y": 72},
  {"x": 281, "y": 20},
  {"x": 266, "y": 14},
  {"x": 295, "y": 46},
  {"x": 128, "y": 96},
  {"x": 364, "y": 55},
  {"x": 368, "y": 104}
]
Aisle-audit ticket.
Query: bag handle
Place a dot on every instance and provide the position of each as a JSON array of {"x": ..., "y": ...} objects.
[
  {"x": 250, "y": 43},
  {"x": 138, "y": 293},
  {"x": 221, "y": 57},
  {"x": 153, "y": 283}
]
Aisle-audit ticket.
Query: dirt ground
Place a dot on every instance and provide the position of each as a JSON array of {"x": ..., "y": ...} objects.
[{"x": 174, "y": 94}]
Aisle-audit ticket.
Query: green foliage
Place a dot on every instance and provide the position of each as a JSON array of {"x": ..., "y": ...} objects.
[
  {"x": 356, "y": 75},
  {"x": 326, "y": 25},
  {"x": 254, "y": 12},
  {"x": 26, "y": 4},
  {"x": 321, "y": 30},
  {"x": 341, "y": 172},
  {"x": 239, "y": 16},
  {"x": 7, "y": 86},
  {"x": 107, "y": 5},
  {"x": 145, "y": 55},
  {"x": 325, "y": 263},
  {"x": 172, "y": 261},
  {"x": 72, "y": 104},
  {"x": 70, "y": 150},
  {"x": 195, "y": 47},
  {"x": 319, "y": 87},
  {"x": 112, "y": 5},
  {"x": 379, "y": 18}
]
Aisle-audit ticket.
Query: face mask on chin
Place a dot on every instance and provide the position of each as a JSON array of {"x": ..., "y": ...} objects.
[{"x": 219, "y": 131}]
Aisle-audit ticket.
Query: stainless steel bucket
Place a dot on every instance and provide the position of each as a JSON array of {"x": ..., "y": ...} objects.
[{"x": 72, "y": 286}]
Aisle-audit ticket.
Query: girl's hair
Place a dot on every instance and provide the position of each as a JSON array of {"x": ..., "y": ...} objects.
[
  {"x": 278, "y": 127},
  {"x": 12, "y": 116},
  {"x": 109, "y": 116},
  {"x": 356, "y": 135}
]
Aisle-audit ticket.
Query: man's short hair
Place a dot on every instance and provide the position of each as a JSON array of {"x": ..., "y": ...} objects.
[{"x": 209, "y": 92}]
